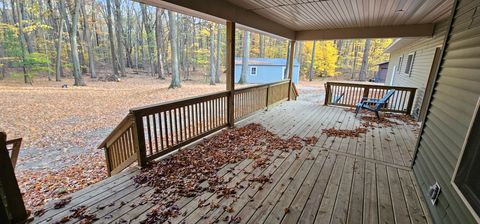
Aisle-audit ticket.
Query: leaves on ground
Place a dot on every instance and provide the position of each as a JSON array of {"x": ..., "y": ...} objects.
[{"x": 62, "y": 127}]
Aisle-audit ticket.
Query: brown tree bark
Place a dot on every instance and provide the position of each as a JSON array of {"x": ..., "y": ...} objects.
[{"x": 364, "y": 68}]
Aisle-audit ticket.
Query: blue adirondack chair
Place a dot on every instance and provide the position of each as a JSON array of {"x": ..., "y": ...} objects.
[{"x": 373, "y": 104}]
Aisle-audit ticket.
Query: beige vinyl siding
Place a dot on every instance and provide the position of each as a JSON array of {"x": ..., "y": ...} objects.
[
  {"x": 456, "y": 92},
  {"x": 424, "y": 52}
]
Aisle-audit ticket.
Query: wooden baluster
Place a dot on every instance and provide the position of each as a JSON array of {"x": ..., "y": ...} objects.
[{"x": 154, "y": 119}]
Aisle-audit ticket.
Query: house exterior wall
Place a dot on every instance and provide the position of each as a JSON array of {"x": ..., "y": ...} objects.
[
  {"x": 266, "y": 73},
  {"x": 424, "y": 51},
  {"x": 450, "y": 111}
]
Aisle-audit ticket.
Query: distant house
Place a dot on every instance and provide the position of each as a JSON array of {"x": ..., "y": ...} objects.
[
  {"x": 413, "y": 63},
  {"x": 381, "y": 73},
  {"x": 265, "y": 70}
]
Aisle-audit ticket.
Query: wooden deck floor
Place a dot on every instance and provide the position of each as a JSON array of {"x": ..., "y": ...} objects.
[{"x": 339, "y": 180}]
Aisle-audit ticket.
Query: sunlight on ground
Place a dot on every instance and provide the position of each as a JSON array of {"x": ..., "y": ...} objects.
[{"x": 61, "y": 127}]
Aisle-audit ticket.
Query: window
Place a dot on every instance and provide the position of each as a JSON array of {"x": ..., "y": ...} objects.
[
  {"x": 409, "y": 65},
  {"x": 253, "y": 71},
  {"x": 466, "y": 179},
  {"x": 400, "y": 60}
]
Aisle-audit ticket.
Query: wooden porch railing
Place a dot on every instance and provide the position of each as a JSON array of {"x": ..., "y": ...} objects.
[
  {"x": 349, "y": 94},
  {"x": 12, "y": 208},
  {"x": 149, "y": 132},
  {"x": 120, "y": 146},
  {"x": 13, "y": 147}
]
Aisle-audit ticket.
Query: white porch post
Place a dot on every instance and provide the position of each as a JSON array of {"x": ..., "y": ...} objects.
[{"x": 291, "y": 55}]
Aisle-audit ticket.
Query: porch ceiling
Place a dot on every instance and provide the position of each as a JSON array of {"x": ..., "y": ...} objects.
[{"x": 322, "y": 19}]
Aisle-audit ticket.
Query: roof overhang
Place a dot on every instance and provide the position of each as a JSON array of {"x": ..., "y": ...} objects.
[
  {"x": 416, "y": 30},
  {"x": 319, "y": 19},
  {"x": 221, "y": 11},
  {"x": 400, "y": 43}
]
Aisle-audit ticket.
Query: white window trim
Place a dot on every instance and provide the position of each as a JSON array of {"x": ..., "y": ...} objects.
[
  {"x": 452, "y": 181},
  {"x": 413, "y": 54},
  {"x": 400, "y": 62},
  {"x": 256, "y": 70}
]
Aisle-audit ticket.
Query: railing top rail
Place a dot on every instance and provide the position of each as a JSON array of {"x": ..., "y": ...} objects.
[
  {"x": 177, "y": 103},
  {"x": 245, "y": 89},
  {"x": 371, "y": 85},
  {"x": 127, "y": 119},
  {"x": 195, "y": 99},
  {"x": 262, "y": 85}
]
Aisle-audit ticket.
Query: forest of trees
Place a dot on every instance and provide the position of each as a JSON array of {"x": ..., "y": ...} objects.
[{"x": 108, "y": 39}]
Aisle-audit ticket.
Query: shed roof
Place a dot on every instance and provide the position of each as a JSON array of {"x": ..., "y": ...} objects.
[{"x": 265, "y": 61}]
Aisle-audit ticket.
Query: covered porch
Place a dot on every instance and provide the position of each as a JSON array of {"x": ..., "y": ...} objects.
[{"x": 364, "y": 179}]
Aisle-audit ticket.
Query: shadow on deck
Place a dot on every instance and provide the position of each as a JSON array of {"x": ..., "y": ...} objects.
[{"x": 339, "y": 180}]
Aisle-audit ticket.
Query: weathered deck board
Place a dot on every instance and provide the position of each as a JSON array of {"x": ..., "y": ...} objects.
[{"x": 339, "y": 180}]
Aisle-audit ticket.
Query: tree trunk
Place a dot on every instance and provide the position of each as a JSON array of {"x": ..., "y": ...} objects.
[
  {"x": 120, "y": 38},
  {"x": 312, "y": 61},
  {"x": 73, "y": 43},
  {"x": 355, "y": 54},
  {"x": 363, "y": 69},
  {"x": 28, "y": 38},
  {"x": 212, "y": 55},
  {"x": 262, "y": 46},
  {"x": 111, "y": 39},
  {"x": 173, "y": 44},
  {"x": 150, "y": 44},
  {"x": 88, "y": 39},
  {"x": 58, "y": 45},
  {"x": 219, "y": 53},
  {"x": 159, "y": 39},
  {"x": 300, "y": 54},
  {"x": 128, "y": 42},
  {"x": 18, "y": 19},
  {"x": 194, "y": 36},
  {"x": 245, "y": 55}
]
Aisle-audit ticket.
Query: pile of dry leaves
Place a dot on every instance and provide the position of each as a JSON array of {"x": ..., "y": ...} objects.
[
  {"x": 371, "y": 121},
  {"x": 344, "y": 133},
  {"x": 183, "y": 173}
]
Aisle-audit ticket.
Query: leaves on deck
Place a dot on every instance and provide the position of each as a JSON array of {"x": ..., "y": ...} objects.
[
  {"x": 193, "y": 170},
  {"x": 344, "y": 133},
  {"x": 62, "y": 202}
]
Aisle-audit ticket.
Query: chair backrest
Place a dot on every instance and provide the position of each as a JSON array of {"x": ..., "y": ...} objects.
[{"x": 384, "y": 99}]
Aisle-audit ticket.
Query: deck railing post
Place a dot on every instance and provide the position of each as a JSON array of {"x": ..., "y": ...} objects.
[
  {"x": 290, "y": 58},
  {"x": 139, "y": 140},
  {"x": 411, "y": 98},
  {"x": 230, "y": 77},
  {"x": 16, "y": 211},
  {"x": 327, "y": 94},
  {"x": 366, "y": 91}
]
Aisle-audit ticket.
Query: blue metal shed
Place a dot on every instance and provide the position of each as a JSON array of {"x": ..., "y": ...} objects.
[{"x": 265, "y": 70}]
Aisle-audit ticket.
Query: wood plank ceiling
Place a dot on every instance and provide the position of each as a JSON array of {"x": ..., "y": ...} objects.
[{"x": 301, "y": 15}]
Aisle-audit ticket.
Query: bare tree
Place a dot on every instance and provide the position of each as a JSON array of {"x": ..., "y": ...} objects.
[
  {"x": 159, "y": 39},
  {"x": 120, "y": 38},
  {"x": 111, "y": 39},
  {"x": 73, "y": 28},
  {"x": 245, "y": 55},
  {"x": 150, "y": 44},
  {"x": 174, "y": 49},
  {"x": 212, "y": 55},
  {"x": 88, "y": 39},
  {"x": 219, "y": 53},
  {"x": 262, "y": 46},
  {"x": 312, "y": 61},
  {"x": 363, "y": 69}
]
